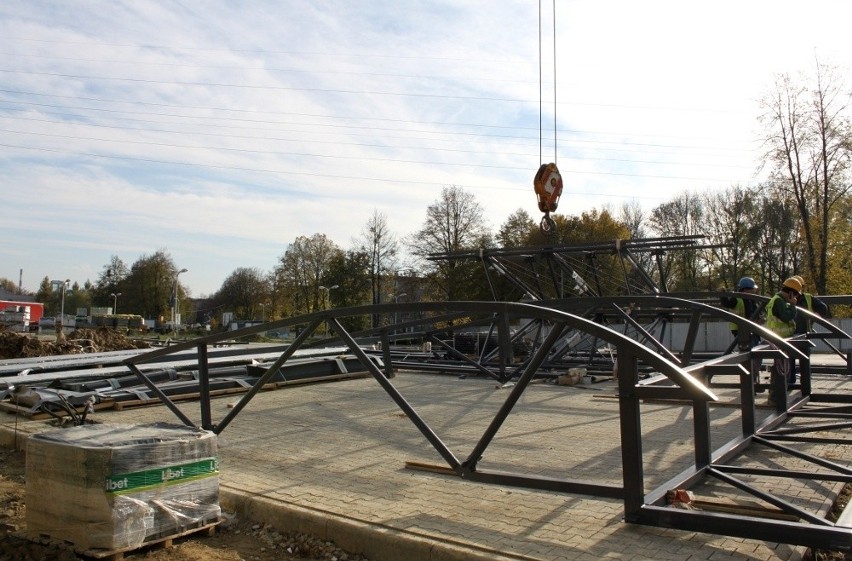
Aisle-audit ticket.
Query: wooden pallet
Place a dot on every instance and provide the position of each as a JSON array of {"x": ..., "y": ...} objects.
[{"x": 166, "y": 542}]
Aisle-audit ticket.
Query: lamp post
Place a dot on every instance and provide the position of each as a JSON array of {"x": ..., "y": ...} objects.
[
  {"x": 62, "y": 309},
  {"x": 262, "y": 312},
  {"x": 115, "y": 296},
  {"x": 327, "y": 299},
  {"x": 175, "y": 301},
  {"x": 396, "y": 298}
]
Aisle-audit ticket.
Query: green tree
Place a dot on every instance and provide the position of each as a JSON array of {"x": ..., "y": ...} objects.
[
  {"x": 8, "y": 285},
  {"x": 350, "y": 272},
  {"x": 302, "y": 270},
  {"x": 111, "y": 280},
  {"x": 592, "y": 272},
  {"x": 246, "y": 292},
  {"x": 516, "y": 230},
  {"x": 840, "y": 248},
  {"x": 150, "y": 284}
]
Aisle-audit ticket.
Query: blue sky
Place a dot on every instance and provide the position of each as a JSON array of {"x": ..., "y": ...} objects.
[{"x": 221, "y": 131}]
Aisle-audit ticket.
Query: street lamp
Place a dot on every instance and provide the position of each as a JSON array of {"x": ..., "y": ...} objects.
[
  {"x": 175, "y": 301},
  {"x": 62, "y": 309},
  {"x": 327, "y": 300},
  {"x": 115, "y": 296},
  {"x": 327, "y": 296}
]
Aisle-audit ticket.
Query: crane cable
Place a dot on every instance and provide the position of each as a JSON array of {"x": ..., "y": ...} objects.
[
  {"x": 548, "y": 181},
  {"x": 541, "y": 88}
]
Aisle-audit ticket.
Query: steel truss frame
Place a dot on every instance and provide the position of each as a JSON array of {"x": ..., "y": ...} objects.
[{"x": 643, "y": 373}]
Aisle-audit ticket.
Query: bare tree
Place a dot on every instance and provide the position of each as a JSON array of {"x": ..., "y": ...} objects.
[
  {"x": 632, "y": 216},
  {"x": 808, "y": 143},
  {"x": 453, "y": 223},
  {"x": 732, "y": 223},
  {"x": 777, "y": 242},
  {"x": 682, "y": 216},
  {"x": 381, "y": 249}
]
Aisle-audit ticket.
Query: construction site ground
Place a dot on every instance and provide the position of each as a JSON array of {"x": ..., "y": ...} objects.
[{"x": 330, "y": 460}]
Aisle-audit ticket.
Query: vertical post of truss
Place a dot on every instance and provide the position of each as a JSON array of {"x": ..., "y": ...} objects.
[
  {"x": 805, "y": 368},
  {"x": 505, "y": 342},
  {"x": 631, "y": 434},
  {"x": 204, "y": 387},
  {"x": 701, "y": 429},
  {"x": 386, "y": 353}
]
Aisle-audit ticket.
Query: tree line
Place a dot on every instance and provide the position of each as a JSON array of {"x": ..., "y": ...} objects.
[{"x": 797, "y": 221}]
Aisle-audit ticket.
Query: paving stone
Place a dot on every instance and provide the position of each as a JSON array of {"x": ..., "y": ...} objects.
[{"x": 331, "y": 457}]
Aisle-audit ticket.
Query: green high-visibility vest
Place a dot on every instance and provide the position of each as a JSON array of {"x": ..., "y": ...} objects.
[
  {"x": 739, "y": 309},
  {"x": 773, "y": 323}
]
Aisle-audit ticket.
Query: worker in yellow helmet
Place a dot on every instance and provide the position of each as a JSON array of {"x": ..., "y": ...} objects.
[
  {"x": 781, "y": 320},
  {"x": 810, "y": 303}
]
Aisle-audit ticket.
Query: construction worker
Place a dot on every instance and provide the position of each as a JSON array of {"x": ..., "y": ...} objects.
[
  {"x": 810, "y": 303},
  {"x": 781, "y": 320},
  {"x": 749, "y": 309},
  {"x": 743, "y": 307}
]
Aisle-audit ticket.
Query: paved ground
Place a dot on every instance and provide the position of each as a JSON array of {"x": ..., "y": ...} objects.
[{"x": 330, "y": 458}]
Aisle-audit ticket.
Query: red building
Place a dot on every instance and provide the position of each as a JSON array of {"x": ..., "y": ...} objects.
[{"x": 18, "y": 311}]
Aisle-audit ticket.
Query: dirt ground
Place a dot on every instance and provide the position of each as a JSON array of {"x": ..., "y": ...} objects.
[
  {"x": 234, "y": 539},
  {"x": 21, "y": 345}
]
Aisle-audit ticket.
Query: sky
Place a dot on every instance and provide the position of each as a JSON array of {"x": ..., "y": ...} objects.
[{"x": 221, "y": 131}]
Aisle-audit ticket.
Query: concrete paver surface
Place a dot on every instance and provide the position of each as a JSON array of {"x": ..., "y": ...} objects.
[{"x": 329, "y": 459}]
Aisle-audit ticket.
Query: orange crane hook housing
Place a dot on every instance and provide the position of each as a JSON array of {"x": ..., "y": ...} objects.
[{"x": 548, "y": 189}]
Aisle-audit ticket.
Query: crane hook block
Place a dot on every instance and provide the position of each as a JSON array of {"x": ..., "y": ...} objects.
[{"x": 548, "y": 187}]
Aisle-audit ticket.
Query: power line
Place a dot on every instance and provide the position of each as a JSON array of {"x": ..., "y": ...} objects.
[
  {"x": 358, "y": 92},
  {"x": 359, "y": 157},
  {"x": 207, "y": 123},
  {"x": 340, "y": 117},
  {"x": 334, "y": 176}
]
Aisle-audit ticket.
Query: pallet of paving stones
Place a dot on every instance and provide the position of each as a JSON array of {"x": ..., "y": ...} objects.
[{"x": 207, "y": 528}]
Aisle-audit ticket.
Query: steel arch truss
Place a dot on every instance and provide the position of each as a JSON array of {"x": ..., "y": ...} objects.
[{"x": 644, "y": 372}]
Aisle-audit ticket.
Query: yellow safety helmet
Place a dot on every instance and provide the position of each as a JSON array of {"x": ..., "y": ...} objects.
[{"x": 793, "y": 283}]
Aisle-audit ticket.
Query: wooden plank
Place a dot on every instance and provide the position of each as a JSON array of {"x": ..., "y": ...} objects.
[
  {"x": 746, "y": 508},
  {"x": 434, "y": 468}
]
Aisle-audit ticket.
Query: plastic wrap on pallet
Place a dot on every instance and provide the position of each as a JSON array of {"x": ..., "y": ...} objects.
[{"x": 119, "y": 486}]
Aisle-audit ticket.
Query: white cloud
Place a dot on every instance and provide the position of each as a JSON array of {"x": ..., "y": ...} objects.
[{"x": 221, "y": 133}]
